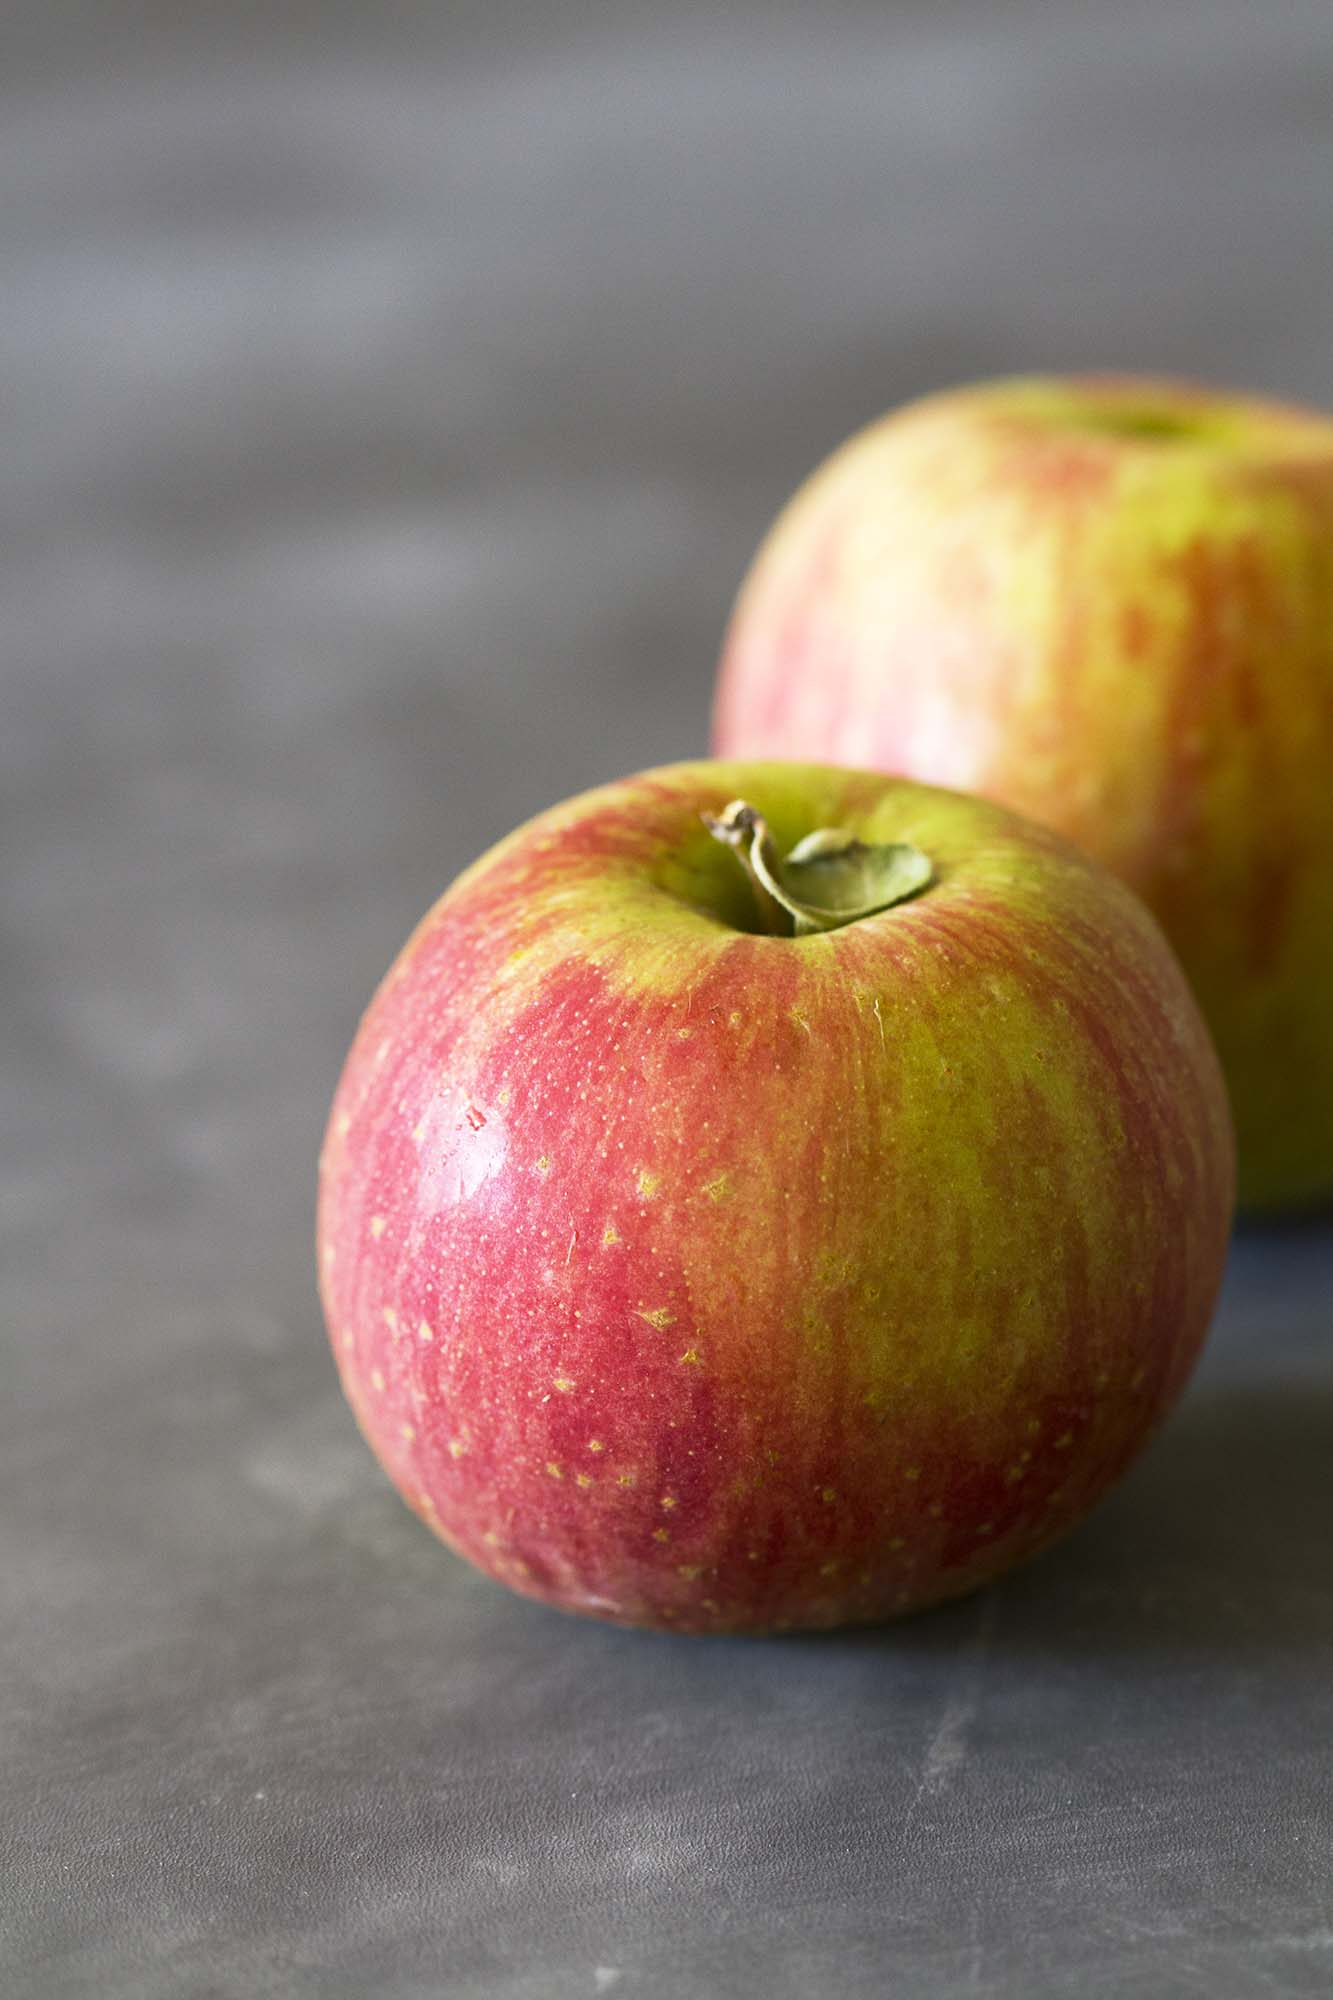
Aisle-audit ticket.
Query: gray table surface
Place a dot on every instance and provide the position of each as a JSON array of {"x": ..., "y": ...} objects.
[{"x": 394, "y": 396}]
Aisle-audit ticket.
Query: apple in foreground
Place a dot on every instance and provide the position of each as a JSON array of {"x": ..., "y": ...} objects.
[
  {"x": 697, "y": 1275},
  {"x": 1107, "y": 603}
]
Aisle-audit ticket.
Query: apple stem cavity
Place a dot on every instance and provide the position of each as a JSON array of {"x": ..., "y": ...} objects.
[{"x": 830, "y": 878}]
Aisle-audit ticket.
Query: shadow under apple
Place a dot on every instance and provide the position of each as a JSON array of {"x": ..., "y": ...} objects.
[{"x": 1216, "y": 1546}]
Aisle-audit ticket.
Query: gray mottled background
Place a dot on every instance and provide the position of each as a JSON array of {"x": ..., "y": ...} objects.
[{"x": 393, "y": 396}]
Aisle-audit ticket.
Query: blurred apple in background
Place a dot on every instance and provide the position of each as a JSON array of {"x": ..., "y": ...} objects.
[
  {"x": 1108, "y": 603},
  {"x": 693, "y": 1273}
]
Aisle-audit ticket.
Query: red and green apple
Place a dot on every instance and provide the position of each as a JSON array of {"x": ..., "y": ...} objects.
[
  {"x": 779, "y": 1237},
  {"x": 1108, "y": 603}
]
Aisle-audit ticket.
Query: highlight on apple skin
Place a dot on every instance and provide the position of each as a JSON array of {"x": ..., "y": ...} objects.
[
  {"x": 712, "y": 1280},
  {"x": 1108, "y": 603}
]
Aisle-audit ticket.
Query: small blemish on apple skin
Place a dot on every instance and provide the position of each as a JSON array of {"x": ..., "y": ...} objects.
[
  {"x": 828, "y": 1494},
  {"x": 668, "y": 1502},
  {"x": 343, "y": 1124},
  {"x": 457, "y": 1448},
  {"x": 555, "y": 1470},
  {"x": 595, "y": 1444},
  {"x": 425, "y": 1331},
  {"x": 647, "y": 1183},
  {"x": 661, "y": 1535},
  {"x": 656, "y": 1316},
  {"x": 692, "y": 1358},
  {"x": 689, "y": 1571},
  {"x": 408, "y": 1433},
  {"x": 583, "y": 1479},
  {"x": 626, "y": 1478},
  {"x": 544, "y": 1164},
  {"x": 348, "y": 1339},
  {"x": 377, "y": 1381},
  {"x": 377, "y": 1226},
  {"x": 390, "y": 1318},
  {"x": 565, "y": 1384}
]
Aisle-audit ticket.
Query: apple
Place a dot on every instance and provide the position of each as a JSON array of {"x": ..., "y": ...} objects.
[
  {"x": 1107, "y": 603},
  {"x": 724, "y": 1254}
]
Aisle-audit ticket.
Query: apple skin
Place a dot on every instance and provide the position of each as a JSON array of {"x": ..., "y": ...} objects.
[
  {"x": 715, "y": 1281},
  {"x": 1107, "y": 603}
]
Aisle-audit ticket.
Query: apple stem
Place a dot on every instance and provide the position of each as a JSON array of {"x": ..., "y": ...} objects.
[
  {"x": 746, "y": 832},
  {"x": 830, "y": 878}
]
